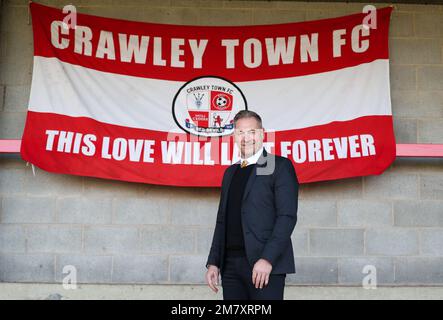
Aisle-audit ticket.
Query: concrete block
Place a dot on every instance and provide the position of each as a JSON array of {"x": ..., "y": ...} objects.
[
  {"x": 350, "y": 270},
  {"x": 131, "y": 13},
  {"x": 16, "y": 72},
  {"x": 412, "y": 104},
  {"x": 166, "y": 239},
  {"x": 417, "y": 8},
  {"x": 364, "y": 213},
  {"x": 418, "y": 213},
  {"x": 322, "y": 14},
  {"x": 402, "y": 77},
  {"x": 298, "y": 5},
  {"x": 266, "y": 16},
  {"x": 109, "y": 3},
  {"x": 429, "y": 77},
  {"x": 195, "y": 207},
  {"x": 141, "y": 3},
  {"x": 391, "y": 242},
  {"x": 432, "y": 242},
  {"x": 350, "y": 188},
  {"x": 336, "y": 242},
  {"x": 18, "y": 43},
  {"x": 253, "y": 4},
  {"x": 28, "y": 209},
  {"x": 10, "y": 161},
  {"x": 357, "y": 7},
  {"x": 12, "y": 238},
  {"x": 431, "y": 186},
  {"x": 12, "y": 180},
  {"x": 225, "y": 17},
  {"x": 84, "y": 210},
  {"x": 95, "y": 187},
  {"x": 12, "y": 124},
  {"x": 414, "y": 51},
  {"x": 26, "y": 268},
  {"x": 2, "y": 96},
  {"x": 154, "y": 210},
  {"x": 402, "y": 24},
  {"x": 419, "y": 270},
  {"x": 211, "y": 3},
  {"x": 429, "y": 24},
  {"x": 391, "y": 186},
  {"x": 89, "y": 269},
  {"x": 51, "y": 184},
  {"x": 54, "y": 239},
  {"x": 20, "y": 2},
  {"x": 3, "y": 44},
  {"x": 197, "y": 3},
  {"x": 430, "y": 131},
  {"x": 300, "y": 241},
  {"x": 14, "y": 17},
  {"x": 405, "y": 130},
  {"x": 188, "y": 269},
  {"x": 430, "y": 104},
  {"x": 180, "y": 16},
  {"x": 417, "y": 165},
  {"x": 106, "y": 240},
  {"x": 140, "y": 269},
  {"x": 204, "y": 240},
  {"x": 337, "y": 6},
  {"x": 317, "y": 213},
  {"x": 405, "y": 104},
  {"x": 17, "y": 98},
  {"x": 314, "y": 271}
]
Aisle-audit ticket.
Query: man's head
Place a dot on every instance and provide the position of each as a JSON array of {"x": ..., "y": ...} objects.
[{"x": 248, "y": 132}]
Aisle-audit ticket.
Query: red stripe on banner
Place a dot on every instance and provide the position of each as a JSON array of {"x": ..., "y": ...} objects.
[
  {"x": 83, "y": 146},
  {"x": 183, "y": 63}
]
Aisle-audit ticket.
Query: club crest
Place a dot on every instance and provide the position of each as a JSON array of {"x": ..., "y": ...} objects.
[{"x": 207, "y": 105}]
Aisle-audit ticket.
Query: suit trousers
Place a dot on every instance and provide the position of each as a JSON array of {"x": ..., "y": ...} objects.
[{"x": 237, "y": 282}]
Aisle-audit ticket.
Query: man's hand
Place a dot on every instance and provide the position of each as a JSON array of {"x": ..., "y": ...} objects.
[
  {"x": 212, "y": 278},
  {"x": 260, "y": 273}
]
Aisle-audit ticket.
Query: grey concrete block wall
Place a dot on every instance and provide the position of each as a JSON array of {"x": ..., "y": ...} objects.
[
  {"x": 392, "y": 242},
  {"x": 352, "y": 270},
  {"x": 111, "y": 240},
  {"x": 131, "y": 268},
  {"x": 117, "y": 232},
  {"x": 336, "y": 242},
  {"x": 89, "y": 268},
  {"x": 54, "y": 239}
]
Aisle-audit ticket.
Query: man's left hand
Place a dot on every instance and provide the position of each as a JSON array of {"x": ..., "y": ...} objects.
[{"x": 260, "y": 273}]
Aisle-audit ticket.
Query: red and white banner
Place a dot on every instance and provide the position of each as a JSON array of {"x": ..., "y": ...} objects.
[{"x": 155, "y": 103}]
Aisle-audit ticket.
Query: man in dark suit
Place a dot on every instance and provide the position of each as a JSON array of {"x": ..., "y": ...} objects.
[{"x": 251, "y": 246}]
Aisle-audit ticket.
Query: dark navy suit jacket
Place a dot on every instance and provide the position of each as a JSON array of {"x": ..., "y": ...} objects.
[{"x": 269, "y": 214}]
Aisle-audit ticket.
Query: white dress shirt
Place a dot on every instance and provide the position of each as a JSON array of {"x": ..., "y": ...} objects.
[{"x": 254, "y": 158}]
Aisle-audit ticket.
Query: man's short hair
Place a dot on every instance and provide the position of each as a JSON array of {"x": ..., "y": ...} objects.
[{"x": 243, "y": 114}]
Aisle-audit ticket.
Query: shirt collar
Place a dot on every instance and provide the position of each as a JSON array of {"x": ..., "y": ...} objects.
[{"x": 254, "y": 158}]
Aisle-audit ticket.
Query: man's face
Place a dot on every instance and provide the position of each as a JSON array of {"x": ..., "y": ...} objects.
[{"x": 248, "y": 136}]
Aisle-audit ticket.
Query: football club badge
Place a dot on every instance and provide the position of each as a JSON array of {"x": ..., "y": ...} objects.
[{"x": 207, "y": 105}]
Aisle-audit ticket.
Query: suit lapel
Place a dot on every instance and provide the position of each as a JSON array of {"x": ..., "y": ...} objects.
[
  {"x": 225, "y": 192},
  {"x": 260, "y": 163}
]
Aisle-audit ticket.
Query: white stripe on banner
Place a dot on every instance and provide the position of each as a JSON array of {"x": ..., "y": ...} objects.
[{"x": 345, "y": 94}]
